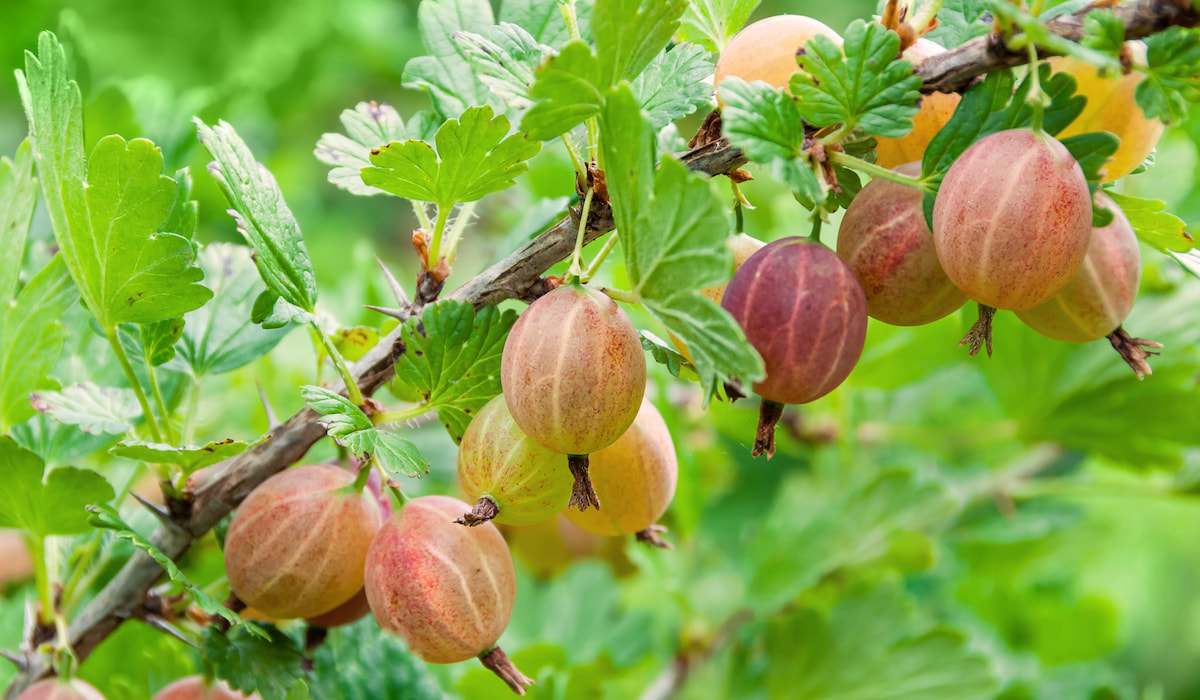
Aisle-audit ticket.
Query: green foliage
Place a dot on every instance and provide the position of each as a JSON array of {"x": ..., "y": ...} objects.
[
  {"x": 1153, "y": 224},
  {"x": 368, "y": 126},
  {"x": 860, "y": 84},
  {"x": 1103, "y": 31},
  {"x": 452, "y": 360},
  {"x": 18, "y": 195},
  {"x": 674, "y": 85},
  {"x": 1172, "y": 74},
  {"x": 352, "y": 429},
  {"x": 473, "y": 158},
  {"x": 444, "y": 72},
  {"x": 95, "y": 409},
  {"x": 768, "y": 126},
  {"x": 505, "y": 61},
  {"x": 348, "y": 666},
  {"x": 571, "y": 88},
  {"x": 55, "y": 506},
  {"x": 712, "y": 23},
  {"x": 189, "y": 458},
  {"x": 630, "y": 33},
  {"x": 663, "y": 352},
  {"x": 269, "y": 662}
]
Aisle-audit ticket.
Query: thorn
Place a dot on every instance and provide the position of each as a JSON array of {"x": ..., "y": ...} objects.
[
  {"x": 397, "y": 290},
  {"x": 158, "y": 512},
  {"x": 162, "y": 625},
  {"x": 18, "y": 661},
  {"x": 400, "y": 314},
  {"x": 272, "y": 420}
]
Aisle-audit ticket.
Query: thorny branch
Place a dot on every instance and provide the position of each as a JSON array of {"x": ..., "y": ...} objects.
[{"x": 515, "y": 277}]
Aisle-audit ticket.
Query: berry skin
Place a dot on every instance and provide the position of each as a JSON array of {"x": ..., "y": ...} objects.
[
  {"x": 936, "y": 110},
  {"x": 886, "y": 242},
  {"x": 524, "y": 481},
  {"x": 1102, "y": 292},
  {"x": 297, "y": 544},
  {"x": 1012, "y": 219},
  {"x": 193, "y": 688},
  {"x": 57, "y": 690},
  {"x": 766, "y": 50}
]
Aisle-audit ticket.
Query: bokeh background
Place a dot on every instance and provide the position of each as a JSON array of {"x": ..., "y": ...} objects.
[{"x": 911, "y": 479}]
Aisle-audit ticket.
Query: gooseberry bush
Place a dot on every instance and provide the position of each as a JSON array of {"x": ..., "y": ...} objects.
[{"x": 165, "y": 544}]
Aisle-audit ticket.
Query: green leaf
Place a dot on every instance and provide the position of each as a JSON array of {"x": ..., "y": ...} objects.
[
  {"x": 663, "y": 352},
  {"x": 106, "y": 517},
  {"x": 18, "y": 195},
  {"x": 571, "y": 90},
  {"x": 353, "y": 343},
  {"x": 767, "y": 125},
  {"x": 445, "y": 72},
  {"x": 712, "y": 23},
  {"x": 1103, "y": 31},
  {"x": 31, "y": 340},
  {"x": 628, "y": 143},
  {"x": 1157, "y": 227},
  {"x": 473, "y": 159},
  {"x": 452, "y": 358},
  {"x": 960, "y": 21},
  {"x": 95, "y": 409},
  {"x": 188, "y": 457},
  {"x": 1065, "y": 105},
  {"x": 870, "y": 646},
  {"x": 867, "y": 87},
  {"x": 262, "y": 216},
  {"x": 352, "y": 429},
  {"x": 1172, "y": 74},
  {"x": 505, "y": 60},
  {"x": 630, "y": 33},
  {"x": 544, "y": 21},
  {"x": 675, "y": 84},
  {"x": 219, "y": 337},
  {"x": 182, "y": 219},
  {"x": 1093, "y": 151},
  {"x": 271, "y": 664},
  {"x": 368, "y": 126},
  {"x": 158, "y": 339},
  {"x": 347, "y": 666},
  {"x": 56, "y": 506}
]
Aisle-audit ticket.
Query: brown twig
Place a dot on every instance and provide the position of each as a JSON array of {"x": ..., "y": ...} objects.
[
  {"x": 1135, "y": 351},
  {"x": 980, "y": 335}
]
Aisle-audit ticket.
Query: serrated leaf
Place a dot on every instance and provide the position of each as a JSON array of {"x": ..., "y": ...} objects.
[
  {"x": 630, "y": 33},
  {"x": 182, "y": 219},
  {"x": 1065, "y": 104},
  {"x": 368, "y": 126},
  {"x": 272, "y": 312},
  {"x": 1172, "y": 74},
  {"x": 189, "y": 458},
  {"x": 473, "y": 159},
  {"x": 960, "y": 21},
  {"x": 663, "y": 352},
  {"x": 18, "y": 195},
  {"x": 571, "y": 90},
  {"x": 31, "y": 340},
  {"x": 347, "y": 666},
  {"x": 675, "y": 84},
  {"x": 353, "y": 343},
  {"x": 544, "y": 21},
  {"x": 352, "y": 429},
  {"x": 158, "y": 339},
  {"x": 262, "y": 216},
  {"x": 95, "y": 409},
  {"x": 445, "y": 72},
  {"x": 220, "y": 336},
  {"x": 505, "y": 60},
  {"x": 56, "y": 505},
  {"x": 767, "y": 125},
  {"x": 1153, "y": 224},
  {"x": 1103, "y": 31},
  {"x": 106, "y": 517},
  {"x": 452, "y": 358},
  {"x": 712, "y": 23},
  {"x": 271, "y": 664},
  {"x": 1092, "y": 151},
  {"x": 869, "y": 646},
  {"x": 860, "y": 84}
]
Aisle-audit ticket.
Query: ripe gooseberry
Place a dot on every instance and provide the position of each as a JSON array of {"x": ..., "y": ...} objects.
[
  {"x": 297, "y": 544},
  {"x": 742, "y": 246},
  {"x": 56, "y": 689},
  {"x": 636, "y": 476},
  {"x": 194, "y": 688},
  {"x": 936, "y": 110},
  {"x": 886, "y": 242},
  {"x": 767, "y": 49},
  {"x": 447, "y": 590},
  {"x": 573, "y": 375},
  {"x": 513, "y": 480},
  {"x": 803, "y": 310},
  {"x": 1012, "y": 221},
  {"x": 1111, "y": 107},
  {"x": 1100, "y": 295}
]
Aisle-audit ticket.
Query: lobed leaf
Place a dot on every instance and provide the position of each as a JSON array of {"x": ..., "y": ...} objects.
[
  {"x": 352, "y": 429},
  {"x": 571, "y": 90},
  {"x": 452, "y": 359},
  {"x": 269, "y": 661},
  {"x": 189, "y": 458},
  {"x": 543, "y": 19},
  {"x": 712, "y": 23},
  {"x": 505, "y": 60},
  {"x": 368, "y": 126},
  {"x": 445, "y": 73},
  {"x": 18, "y": 195},
  {"x": 663, "y": 352},
  {"x": 94, "y": 409},
  {"x": 262, "y": 216},
  {"x": 630, "y": 33},
  {"x": 1172, "y": 74},
  {"x": 767, "y": 125},
  {"x": 675, "y": 84},
  {"x": 1152, "y": 223},
  {"x": 347, "y": 666},
  {"x": 46, "y": 504}
]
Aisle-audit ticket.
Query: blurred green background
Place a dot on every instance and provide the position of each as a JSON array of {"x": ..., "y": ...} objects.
[{"x": 906, "y": 491}]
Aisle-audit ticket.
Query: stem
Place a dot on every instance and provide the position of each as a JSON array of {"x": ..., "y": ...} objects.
[
  {"x": 193, "y": 407},
  {"x": 877, "y": 170},
  {"x": 576, "y": 158},
  {"x": 386, "y": 481},
  {"x": 456, "y": 231},
  {"x": 364, "y": 472},
  {"x": 1036, "y": 97},
  {"x": 422, "y": 217},
  {"x": 622, "y": 295},
  {"x": 37, "y": 552},
  {"x": 402, "y": 415},
  {"x": 436, "y": 244},
  {"x": 815, "y": 236},
  {"x": 593, "y": 132},
  {"x": 927, "y": 12},
  {"x": 156, "y": 391},
  {"x": 576, "y": 268},
  {"x": 567, "y": 7},
  {"x": 115, "y": 343},
  {"x": 344, "y": 371},
  {"x": 599, "y": 259}
]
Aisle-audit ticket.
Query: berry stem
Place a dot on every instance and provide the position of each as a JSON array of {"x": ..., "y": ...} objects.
[
  {"x": 839, "y": 158},
  {"x": 600, "y": 257},
  {"x": 364, "y": 471},
  {"x": 485, "y": 510},
  {"x": 980, "y": 334},
  {"x": 769, "y": 413},
  {"x": 815, "y": 236},
  {"x": 582, "y": 495},
  {"x": 576, "y": 268},
  {"x": 496, "y": 661},
  {"x": 621, "y": 295},
  {"x": 650, "y": 536},
  {"x": 1037, "y": 98},
  {"x": 1135, "y": 351}
]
